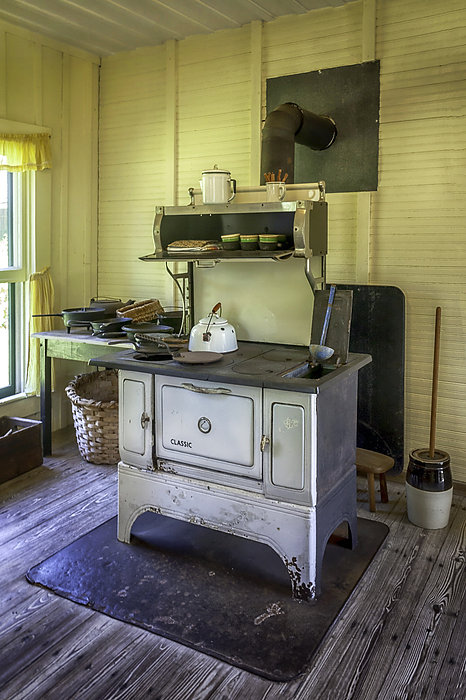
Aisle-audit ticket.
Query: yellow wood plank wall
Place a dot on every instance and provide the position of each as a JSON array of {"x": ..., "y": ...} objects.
[
  {"x": 50, "y": 85},
  {"x": 133, "y": 171},
  {"x": 418, "y": 236},
  {"x": 199, "y": 99}
]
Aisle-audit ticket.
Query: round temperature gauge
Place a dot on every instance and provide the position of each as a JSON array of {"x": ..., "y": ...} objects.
[{"x": 204, "y": 425}]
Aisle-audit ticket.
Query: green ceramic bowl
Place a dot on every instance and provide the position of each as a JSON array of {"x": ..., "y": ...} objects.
[
  {"x": 268, "y": 241},
  {"x": 249, "y": 242},
  {"x": 230, "y": 241}
]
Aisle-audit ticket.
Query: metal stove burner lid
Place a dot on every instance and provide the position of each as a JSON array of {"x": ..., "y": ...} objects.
[
  {"x": 152, "y": 356},
  {"x": 270, "y": 362}
]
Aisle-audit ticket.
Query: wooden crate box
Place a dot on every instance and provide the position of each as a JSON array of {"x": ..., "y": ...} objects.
[{"x": 20, "y": 446}]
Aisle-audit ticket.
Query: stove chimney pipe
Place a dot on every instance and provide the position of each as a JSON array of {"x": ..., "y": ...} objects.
[{"x": 287, "y": 124}]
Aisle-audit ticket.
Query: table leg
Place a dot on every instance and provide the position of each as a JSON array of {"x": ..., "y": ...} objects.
[{"x": 45, "y": 398}]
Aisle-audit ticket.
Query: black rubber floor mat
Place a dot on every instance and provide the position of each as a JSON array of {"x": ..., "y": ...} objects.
[{"x": 217, "y": 593}]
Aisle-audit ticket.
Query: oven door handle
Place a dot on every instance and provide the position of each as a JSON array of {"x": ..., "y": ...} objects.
[{"x": 205, "y": 390}]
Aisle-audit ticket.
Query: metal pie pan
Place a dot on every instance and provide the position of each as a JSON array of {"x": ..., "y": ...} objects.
[
  {"x": 197, "y": 357},
  {"x": 145, "y": 327}
]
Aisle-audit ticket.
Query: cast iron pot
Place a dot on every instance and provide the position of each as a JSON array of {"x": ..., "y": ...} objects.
[
  {"x": 173, "y": 319},
  {"x": 111, "y": 306}
]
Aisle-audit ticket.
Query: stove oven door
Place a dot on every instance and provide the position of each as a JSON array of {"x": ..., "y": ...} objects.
[
  {"x": 135, "y": 418},
  {"x": 209, "y": 425}
]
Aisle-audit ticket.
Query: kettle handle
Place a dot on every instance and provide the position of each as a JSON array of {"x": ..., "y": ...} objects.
[
  {"x": 206, "y": 335},
  {"x": 234, "y": 189}
]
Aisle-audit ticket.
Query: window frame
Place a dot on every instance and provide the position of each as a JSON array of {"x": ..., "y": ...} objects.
[
  {"x": 9, "y": 388},
  {"x": 21, "y": 254},
  {"x": 32, "y": 211}
]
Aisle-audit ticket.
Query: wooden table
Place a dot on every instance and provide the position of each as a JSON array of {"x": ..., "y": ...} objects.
[{"x": 80, "y": 347}]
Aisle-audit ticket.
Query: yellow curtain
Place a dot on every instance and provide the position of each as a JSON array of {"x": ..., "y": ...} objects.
[
  {"x": 41, "y": 296},
  {"x": 22, "y": 152}
]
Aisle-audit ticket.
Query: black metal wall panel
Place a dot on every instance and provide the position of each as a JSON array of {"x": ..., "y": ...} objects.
[
  {"x": 351, "y": 96},
  {"x": 378, "y": 328}
]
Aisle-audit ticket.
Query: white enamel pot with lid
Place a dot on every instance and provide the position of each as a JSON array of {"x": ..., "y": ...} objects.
[
  {"x": 217, "y": 186},
  {"x": 213, "y": 334}
]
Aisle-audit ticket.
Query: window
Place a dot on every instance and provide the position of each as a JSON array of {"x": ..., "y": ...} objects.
[
  {"x": 24, "y": 202},
  {"x": 12, "y": 273},
  {"x": 7, "y": 334}
]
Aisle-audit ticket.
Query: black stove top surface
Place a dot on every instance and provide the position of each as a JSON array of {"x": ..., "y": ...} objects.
[
  {"x": 253, "y": 364},
  {"x": 152, "y": 356}
]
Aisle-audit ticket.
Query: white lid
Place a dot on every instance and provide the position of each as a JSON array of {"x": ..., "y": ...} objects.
[
  {"x": 216, "y": 321},
  {"x": 214, "y": 170}
]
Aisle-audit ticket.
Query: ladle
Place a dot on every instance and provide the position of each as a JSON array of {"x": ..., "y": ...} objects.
[{"x": 321, "y": 352}]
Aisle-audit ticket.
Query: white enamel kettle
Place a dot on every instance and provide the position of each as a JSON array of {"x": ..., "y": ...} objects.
[
  {"x": 213, "y": 334},
  {"x": 217, "y": 186}
]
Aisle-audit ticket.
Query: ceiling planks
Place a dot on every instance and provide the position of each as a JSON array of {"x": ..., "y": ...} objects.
[{"x": 104, "y": 27}]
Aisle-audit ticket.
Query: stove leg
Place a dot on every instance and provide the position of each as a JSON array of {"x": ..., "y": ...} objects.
[
  {"x": 302, "y": 576},
  {"x": 125, "y": 522},
  {"x": 298, "y": 533},
  {"x": 337, "y": 508},
  {"x": 128, "y": 509}
]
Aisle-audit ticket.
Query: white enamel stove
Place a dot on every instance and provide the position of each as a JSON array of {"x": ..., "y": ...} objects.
[{"x": 268, "y": 464}]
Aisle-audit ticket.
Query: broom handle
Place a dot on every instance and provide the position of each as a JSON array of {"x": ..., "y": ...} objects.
[{"x": 433, "y": 408}]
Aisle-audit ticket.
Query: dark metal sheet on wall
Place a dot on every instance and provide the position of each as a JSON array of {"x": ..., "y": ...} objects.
[
  {"x": 350, "y": 95},
  {"x": 339, "y": 323},
  {"x": 378, "y": 328}
]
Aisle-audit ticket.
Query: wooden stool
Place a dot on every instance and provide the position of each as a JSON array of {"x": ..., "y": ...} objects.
[{"x": 370, "y": 463}]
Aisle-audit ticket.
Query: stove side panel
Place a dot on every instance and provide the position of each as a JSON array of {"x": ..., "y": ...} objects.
[{"x": 336, "y": 433}]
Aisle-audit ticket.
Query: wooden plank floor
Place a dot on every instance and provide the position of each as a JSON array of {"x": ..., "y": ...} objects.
[{"x": 401, "y": 635}]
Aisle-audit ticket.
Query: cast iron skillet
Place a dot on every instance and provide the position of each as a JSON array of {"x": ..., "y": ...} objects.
[
  {"x": 151, "y": 346},
  {"x": 83, "y": 315},
  {"x": 148, "y": 344},
  {"x": 109, "y": 325}
]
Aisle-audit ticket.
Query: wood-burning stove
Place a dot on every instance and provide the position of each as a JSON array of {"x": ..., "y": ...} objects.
[{"x": 245, "y": 446}]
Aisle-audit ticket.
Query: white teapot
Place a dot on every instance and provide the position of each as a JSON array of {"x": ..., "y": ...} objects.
[
  {"x": 217, "y": 186},
  {"x": 213, "y": 334}
]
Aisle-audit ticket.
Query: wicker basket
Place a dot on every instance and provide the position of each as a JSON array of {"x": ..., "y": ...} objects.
[
  {"x": 94, "y": 404},
  {"x": 141, "y": 310}
]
